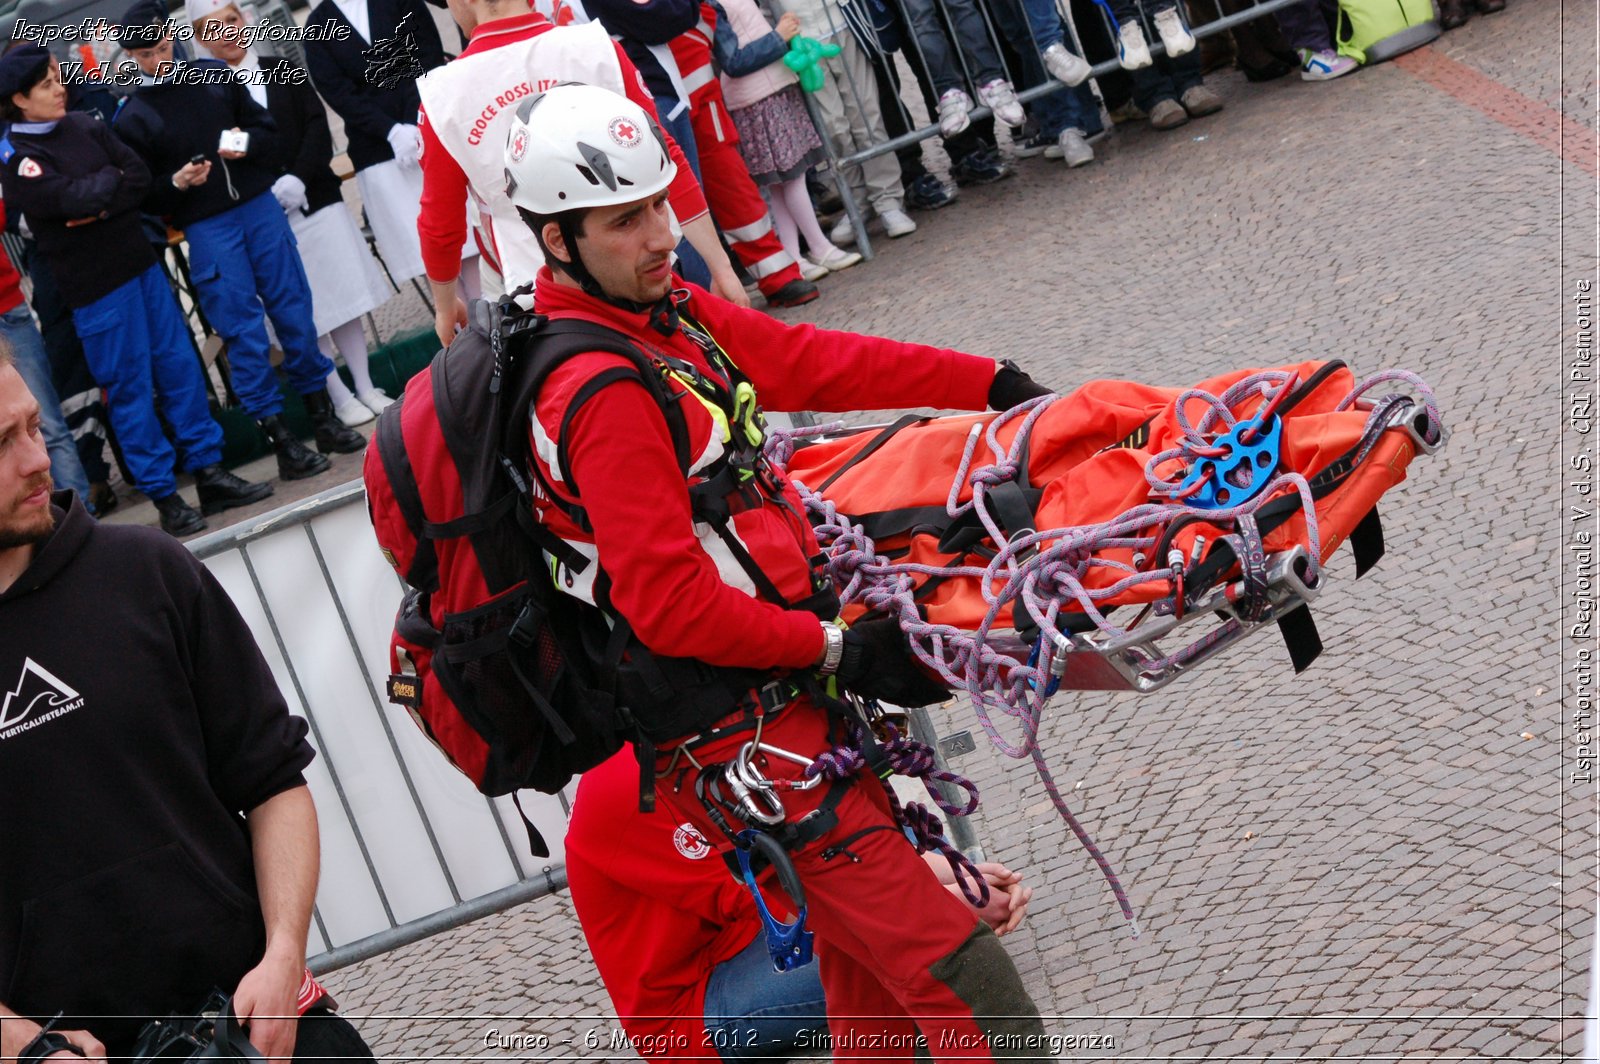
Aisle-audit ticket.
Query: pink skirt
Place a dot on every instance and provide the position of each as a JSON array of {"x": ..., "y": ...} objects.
[{"x": 777, "y": 138}]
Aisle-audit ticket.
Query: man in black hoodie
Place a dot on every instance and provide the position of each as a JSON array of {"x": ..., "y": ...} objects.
[
  {"x": 159, "y": 837},
  {"x": 242, "y": 252}
]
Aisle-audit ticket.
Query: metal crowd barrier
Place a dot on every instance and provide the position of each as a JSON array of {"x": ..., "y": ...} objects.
[
  {"x": 410, "y": 848},
  {"x": 1011, "y": 36}
]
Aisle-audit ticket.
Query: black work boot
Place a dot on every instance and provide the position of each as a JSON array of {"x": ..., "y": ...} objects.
[
  {"x": 178, "y": 518},
  {"x": 332, "y": 434},
  {"x": 295, "y": 460},
  {"x": 220, "y": 490}
]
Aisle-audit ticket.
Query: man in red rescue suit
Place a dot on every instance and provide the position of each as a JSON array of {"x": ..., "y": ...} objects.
[
  {"x": 467, "y": 106},
  {"x": 615, "y": 481}
]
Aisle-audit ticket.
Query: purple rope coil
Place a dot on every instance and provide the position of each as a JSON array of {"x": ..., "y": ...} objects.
[{"x": 909, "y": 757}]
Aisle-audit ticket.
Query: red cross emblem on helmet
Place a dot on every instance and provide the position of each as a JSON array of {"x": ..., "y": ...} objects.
[
  {"x": 625, "y": 132},
  {"x": 519, "y": 145}
]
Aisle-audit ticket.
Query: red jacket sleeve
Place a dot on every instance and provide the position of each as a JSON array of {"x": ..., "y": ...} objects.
[
  {"x": 688, "y": 201},
  {"x": 442, "y": 218},
  {"x": 802, "y": 367},
  {"x": 663, "y": 582}
]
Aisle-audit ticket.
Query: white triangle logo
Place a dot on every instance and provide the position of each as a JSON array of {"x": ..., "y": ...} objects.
[{"x": 35, "y": 683}]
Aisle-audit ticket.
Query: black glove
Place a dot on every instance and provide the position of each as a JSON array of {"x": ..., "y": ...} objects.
[
  {"x": 1012, "y": 387},
  {"x": 878, "y": 663}
]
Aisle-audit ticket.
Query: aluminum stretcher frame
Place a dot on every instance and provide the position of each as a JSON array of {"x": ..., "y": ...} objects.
[{"x": 1134, "y": 660}]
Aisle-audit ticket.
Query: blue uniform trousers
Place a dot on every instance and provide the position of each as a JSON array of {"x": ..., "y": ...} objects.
[
  {"x": 246, "y": 266},
  {"x": 137, "y": 345}
]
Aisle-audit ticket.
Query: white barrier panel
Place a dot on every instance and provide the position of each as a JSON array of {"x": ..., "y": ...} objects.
[{"x": 406, "y": 839}]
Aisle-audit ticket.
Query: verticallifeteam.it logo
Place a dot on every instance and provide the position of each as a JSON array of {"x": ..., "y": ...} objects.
[{"x": 39, "y": 696}]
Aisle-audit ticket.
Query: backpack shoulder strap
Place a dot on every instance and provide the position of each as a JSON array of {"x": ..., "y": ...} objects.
[
  {"x": 563, "y": 338},
  {"x": 391, "y": 444}
]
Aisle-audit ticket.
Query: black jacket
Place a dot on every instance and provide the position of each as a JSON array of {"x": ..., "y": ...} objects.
[
  {"x": 80, "y": 170},
  {"x": 339, "y": 68},
  {"x": 169, "y": 123},
  {"x": 138, "y": 723},
  {"x": 637, "y": 24},
  {"x": 303, "y": 132}
]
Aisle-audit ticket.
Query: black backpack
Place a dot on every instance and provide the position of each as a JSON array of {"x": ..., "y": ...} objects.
[{"x": 519, "y": 684}]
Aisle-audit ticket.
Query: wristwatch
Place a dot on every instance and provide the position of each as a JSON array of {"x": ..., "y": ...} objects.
[{"x": 832, "y": 650}]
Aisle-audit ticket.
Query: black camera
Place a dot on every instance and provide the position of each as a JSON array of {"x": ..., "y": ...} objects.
[{"x": 212, "y": 1033}]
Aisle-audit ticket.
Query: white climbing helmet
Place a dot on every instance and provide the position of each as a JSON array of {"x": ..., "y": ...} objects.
[{"x": 577, "y": 146}]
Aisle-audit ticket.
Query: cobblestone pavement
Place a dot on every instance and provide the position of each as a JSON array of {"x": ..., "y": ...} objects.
[{"x": 1381, "y": 858}]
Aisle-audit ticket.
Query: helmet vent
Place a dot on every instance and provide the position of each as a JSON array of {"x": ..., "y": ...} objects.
[{"x": 600, "y": 163}]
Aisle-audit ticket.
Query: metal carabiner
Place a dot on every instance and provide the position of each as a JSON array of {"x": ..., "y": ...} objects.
[
  {"x": 748, "y": 415},
  {"x": 789, "y": 945},
  {"x": 746, "y": 804},
  {"x": 748, "y": 751}
]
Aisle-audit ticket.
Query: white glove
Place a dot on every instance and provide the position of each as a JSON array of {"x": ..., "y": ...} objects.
[
  {"x": 406, "y": 142},
  {"x": 290, "y": 192}
]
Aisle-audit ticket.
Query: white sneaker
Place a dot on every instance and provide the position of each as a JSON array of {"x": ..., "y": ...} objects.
[
  {"x": 999, "y": 97},
  {"x": 953, "y": 108},
  {"x": 1324, "y": 65},
  {"x": 1065, "y": 66},
  {"x": 1073, "y": 148},
  {"x": 353, "y": 412},
  {"x": 1132, "y": 51},
  {"x": 842, "y": 234},
  {"x": 835, "y": 259},
  {"x": 812, "y": 271},
  {"x": 375, "y": 400},
  {"x": 897, "y": 223},
  {"x": 1174, "y": 35}
]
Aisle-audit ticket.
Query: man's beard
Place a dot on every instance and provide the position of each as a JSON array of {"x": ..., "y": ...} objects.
[{"x": 21, "y": 533}]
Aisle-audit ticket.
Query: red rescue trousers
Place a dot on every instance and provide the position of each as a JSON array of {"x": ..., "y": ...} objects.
[
  {"x": 899, "y": 953},
  {"x": 735, "y": 202}
]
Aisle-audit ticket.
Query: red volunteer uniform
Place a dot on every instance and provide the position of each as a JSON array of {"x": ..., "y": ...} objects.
[
  {"x": 686, "y": 596},
  {"x": 655, "y": 955},
  {"x": 736, "y": 203},
  {"x": 467, "y": 106}
]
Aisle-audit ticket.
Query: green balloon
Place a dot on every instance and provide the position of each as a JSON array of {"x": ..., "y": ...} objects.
[{"x": 804, "y": 58}]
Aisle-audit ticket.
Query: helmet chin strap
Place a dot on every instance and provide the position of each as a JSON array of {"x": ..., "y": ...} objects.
[{"x": 663, "y": 312}]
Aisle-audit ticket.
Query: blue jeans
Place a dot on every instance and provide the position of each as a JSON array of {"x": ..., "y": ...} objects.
[
  {"x": 970, "y": 30},
  {"x": 246, "y": 267},
  {"x": 138, "y": 346},
  {"x": 27, "y": 349},
  {"x": 1305, "y": 25},
  {"x": 680, "y": 129},
  {"x": 1074, "y": 108},
  {"x": 754, "y": 1011},
  {"x": 1165, "y": 79}
]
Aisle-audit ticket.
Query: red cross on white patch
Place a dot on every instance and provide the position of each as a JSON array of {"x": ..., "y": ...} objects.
[
  {"x": 29, "y": 168},
  {"x": 625, "y": 132}
]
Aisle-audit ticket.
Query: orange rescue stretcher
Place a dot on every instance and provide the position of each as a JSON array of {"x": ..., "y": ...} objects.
[{"x": 1165, "y": 504}]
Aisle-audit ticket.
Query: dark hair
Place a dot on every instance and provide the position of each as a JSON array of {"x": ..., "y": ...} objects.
[{"x": 8, "y": 109}]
